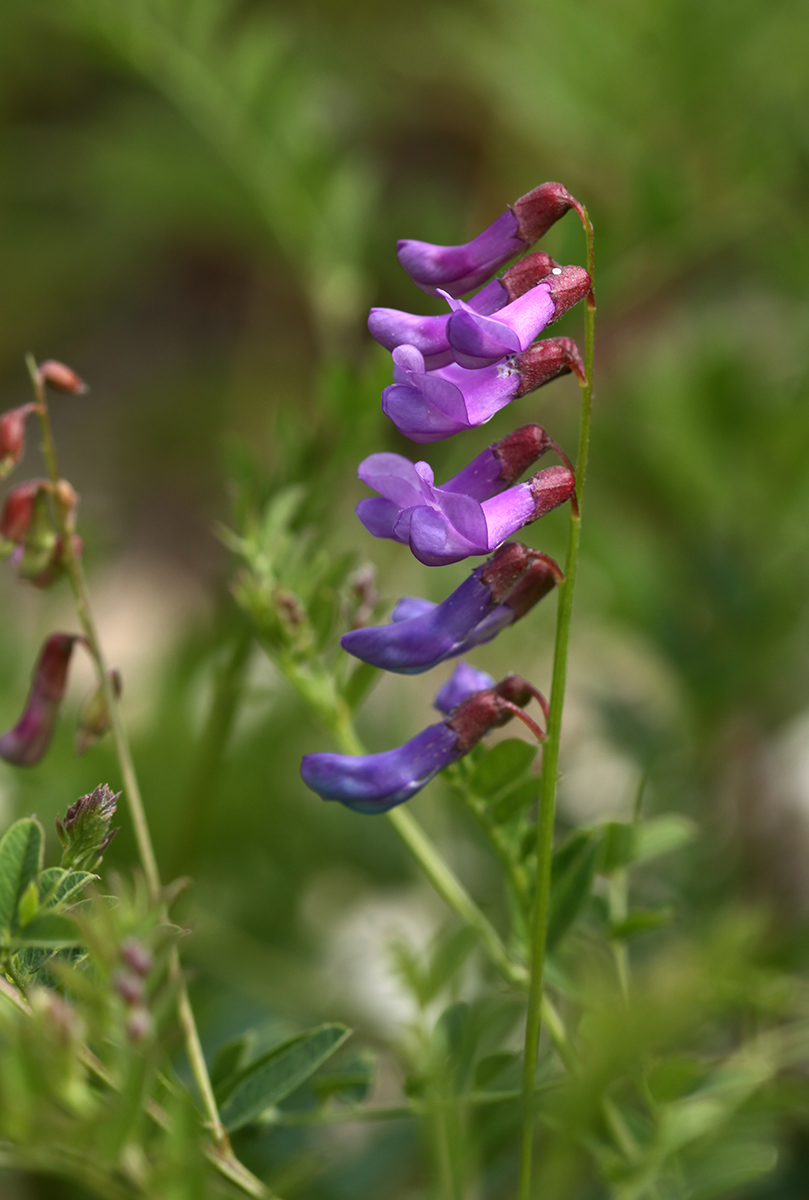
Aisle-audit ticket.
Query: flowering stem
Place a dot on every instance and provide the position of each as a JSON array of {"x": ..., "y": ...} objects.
[
  {"x": 550, "y": 762},
  {"x": 230, "y": 1166}
]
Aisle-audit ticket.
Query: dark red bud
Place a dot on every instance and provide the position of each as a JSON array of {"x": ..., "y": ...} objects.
[
  {"x": 139, "y": 1025},
  {"x": 129, "y": 987},
  {"x": 527, "y": 273},
  {"x": 137, "y": 956},
  {"x": 485, "y": 710},
  {"x": 544, "y": 361},
  {"x": 536, "y": 211},
  {"x": 18, "y": 510},
  {"x": 61, "y": 378},
  {"x": 519, "y": 450},
  {"x": 26, "y": 743},
  {"x": 12, "y": 437},
  {"x": 550, "y": 488},
  {"x": 541, "y": 577},
  {"x": 567, "y": 286}
]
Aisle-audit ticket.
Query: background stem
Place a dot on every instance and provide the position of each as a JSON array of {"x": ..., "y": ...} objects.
[{"x": 550, "y": 754}]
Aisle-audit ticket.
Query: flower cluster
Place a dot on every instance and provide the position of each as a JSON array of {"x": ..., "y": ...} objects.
[{"x": 451, "y": 373}]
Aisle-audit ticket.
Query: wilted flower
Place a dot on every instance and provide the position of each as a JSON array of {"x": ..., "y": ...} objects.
[
  {"x": 422, "y": 634},
  {"x": 373, "y": 783},
  {"x": 26, "y": 743},
  {"x": 12, "y": 437},
  {"x": 61, "y": 378},
  {"x": 458, "y": 269}
]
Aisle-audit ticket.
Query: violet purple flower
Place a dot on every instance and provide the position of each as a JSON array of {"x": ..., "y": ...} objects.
[
  {"x": 443, "y": 525},
  {"x": 479, "y": 340},
  {"x": 422, "y": 634},
  {"x": 393, "y": 328},
  {"x": 464, "y": 682},
  {"x": 374, "y": 783},
  {"x": 458, "y": 269},
  {"x": 429, "y": 406}
]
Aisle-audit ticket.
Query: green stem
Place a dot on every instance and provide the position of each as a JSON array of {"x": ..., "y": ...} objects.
[
  {"x": 550, "y": 760},
  {"x": 230, "y": 1166}
]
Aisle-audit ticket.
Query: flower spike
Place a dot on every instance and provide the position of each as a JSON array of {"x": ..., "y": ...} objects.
[
  {"x": 374, "y": 783},
  {"x": 422, "y": 634},
  {"x": 458, "y": 269}
]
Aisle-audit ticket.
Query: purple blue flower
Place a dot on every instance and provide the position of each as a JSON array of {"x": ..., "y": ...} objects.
[
  {"x": 374, "y": 783},
  {"x": 423, "y": 634},
  {"x": 464, "y": 682}
]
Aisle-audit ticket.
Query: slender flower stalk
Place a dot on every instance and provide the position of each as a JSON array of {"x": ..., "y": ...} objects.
[
  {"x": 225, "y": 1160},
  {"x": 550, "y": 761}
]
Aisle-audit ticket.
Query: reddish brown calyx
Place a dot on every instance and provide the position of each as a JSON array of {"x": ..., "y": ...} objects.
[
  {"x": 491, "y": 708},
  {"x": 527, "y": 273},
  {"x": 537, "y": 210},
  {"x": 519, "y": 450},
  {"x": 547, "y": 360},
  {"x": 542, "y": 576},
  {"x": 12, "y": 437}
]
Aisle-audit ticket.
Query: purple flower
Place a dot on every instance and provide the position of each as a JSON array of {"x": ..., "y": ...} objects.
[
  {"x": 458, "y": 269},
  {"x": 422, "y": 634},
  {"x": 393, "y": 328},
  {"x": 26, "y": 743},
  {"x": 429, "y": 406},
  {"x": 444, "y": 525},
  {"x": 478, "y": 340},
  {"x": 373, "y": 783}
]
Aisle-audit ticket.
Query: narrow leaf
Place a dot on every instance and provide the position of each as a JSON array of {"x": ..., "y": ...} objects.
[
  {"x": 501, "y": 766},
  {"x": 278, "y": 1072},
  {"x": 571, "y": 880}
]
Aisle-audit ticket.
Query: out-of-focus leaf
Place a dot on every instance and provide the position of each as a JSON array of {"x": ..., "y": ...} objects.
[
  {"x": 626, "y": 843},
  {"x": 48, "y": 931},
  {"x": 230, "y": 1058},
  {"x": 574, "y": 865},
  {"x": 20, "y": 863},
  {"x": 359, "y": 684},
  {"x": 515, "y": 800},
  {"x": 488, "y": 1068},
  {"x": 350, "y": 1082},
  {"x": 641, "y": 920},
  {"x": 278, "y": 1072},
  {"x": 502, "y": 765}
]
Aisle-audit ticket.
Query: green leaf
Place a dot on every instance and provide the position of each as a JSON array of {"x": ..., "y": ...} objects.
[
  {"x": 230, "y": 1058},
  {"x": 20, "y": 863},
  {"x": 574, "y": 865},
  {"x": 501, "y": 766},
  {"x": 359, "y": 684},
  {"x": 58, "y": 886},
  {"x": 48, "y": 931},
  {"x": 28, "y": 905},
  {"x": 514, "y": 800},
  {"x": 278, "y": 1072},
  {"x": 487, "y": 1069},
  {"x": 641, "y": 921},
  {"x": 350, "y": 1082},
  {"x": 626, "y": 843}
]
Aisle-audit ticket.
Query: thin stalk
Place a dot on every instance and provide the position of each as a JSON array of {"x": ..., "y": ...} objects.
[
  {"x": 75, "y": 573},
  {"x": 550, "y": 760}
]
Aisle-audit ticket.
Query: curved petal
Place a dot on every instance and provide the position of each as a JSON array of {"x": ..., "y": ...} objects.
[
  {"x": 462, "y": 683},
  {"x": 458, "y": 269},
  {"x": 378, "y": 516}
]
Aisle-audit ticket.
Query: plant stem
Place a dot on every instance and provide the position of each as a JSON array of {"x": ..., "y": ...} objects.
[
  {"x": 550, "y": 760},
  {"x": 230, "y": 1166}
]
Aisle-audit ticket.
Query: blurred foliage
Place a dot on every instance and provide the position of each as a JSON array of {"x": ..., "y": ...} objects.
[{"x": 198, "y": 200}]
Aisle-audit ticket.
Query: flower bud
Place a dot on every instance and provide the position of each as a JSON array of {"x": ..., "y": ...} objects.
[
  {"x": 61, "y": 378},
  {"x": 20, "y": 508},
  {"x": 129, "y": 987},
  {"x": 12, "y": 437},
  {"x": 94, "y": 719},
  {"x": 26, "y": 743},
  {"x": 537, "y": 210},
  {"x": 137, "y": 956},
  {"x": 139, "y": 1025},
  {"x": 85, "y": 832}
]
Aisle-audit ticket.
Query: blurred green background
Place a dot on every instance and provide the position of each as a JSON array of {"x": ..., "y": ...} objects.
[{"x": 198, "y": 202}]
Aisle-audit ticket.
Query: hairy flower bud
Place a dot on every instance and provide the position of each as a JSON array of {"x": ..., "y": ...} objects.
[
  {"x": 537, "y": 210},
  {"x": 26, "y": 743},
  {"x": 61, "y": 378},
  {"x": 85, "y": 832},
  {"x": 547, "y": 360}
]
